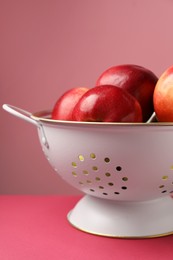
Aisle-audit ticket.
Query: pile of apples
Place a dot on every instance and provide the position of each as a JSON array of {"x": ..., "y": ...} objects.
[{"x": 123, "y": 93}]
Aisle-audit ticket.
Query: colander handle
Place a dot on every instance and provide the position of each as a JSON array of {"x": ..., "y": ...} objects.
[
  {"x": 25, "y": 115},
  {"x": 21, "y": 113}
]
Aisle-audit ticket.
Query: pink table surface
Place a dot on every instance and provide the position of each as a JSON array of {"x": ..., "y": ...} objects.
[{"x": 36, "y": 227}]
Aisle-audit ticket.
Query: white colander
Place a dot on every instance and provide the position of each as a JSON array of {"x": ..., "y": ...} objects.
[{"x": 124, "y": 169}]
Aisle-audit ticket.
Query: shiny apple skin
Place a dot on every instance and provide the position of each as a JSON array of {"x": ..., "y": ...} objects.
[
  {"x": 107, "y": 104},
  {"x": 137, "y": 80},
  {"x": 163, "y": 97},
  {"x": 64, "y": 106}
]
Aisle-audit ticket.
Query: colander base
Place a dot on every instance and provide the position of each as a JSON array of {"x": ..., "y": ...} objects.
[{"x": 121, "y": 219}]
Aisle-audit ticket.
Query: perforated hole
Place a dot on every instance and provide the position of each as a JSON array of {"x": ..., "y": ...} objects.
[
  {"x": 107, "y": 160},
  {"x": 74, "y": 174},
  {"x": 124, "y": 188},
  {"x": 110, "y": 184},
  {"x": 85, "y": 172},
  {"x": 165, "y": 177},
  {"x": 95, "y": 168},
  {"x": 74, "y": 164},
  {"x": 97, "y": 179},
  {"x": 81, "y": 158},
  {"x": 118, "y": 168},
  {"x": 92, "y": 156},
  {"x": 107, "y": 174},
  {"x": 89, "y": 182},
  {"x": 125, "y": 179}
]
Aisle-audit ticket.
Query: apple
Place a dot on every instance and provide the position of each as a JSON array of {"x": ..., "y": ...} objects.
[
  {"x": 64, "y": 106},
  {"x": 163, "y": 96},
  {"x": 107, "y": 104},
  {"x": 138, "y": 81}
]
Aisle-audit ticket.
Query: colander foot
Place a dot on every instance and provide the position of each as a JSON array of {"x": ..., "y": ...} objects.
[{"x": 146, "y": 219}]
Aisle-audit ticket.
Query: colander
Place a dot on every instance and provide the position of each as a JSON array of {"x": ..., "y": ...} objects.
[{"x": 125, "y": 171}]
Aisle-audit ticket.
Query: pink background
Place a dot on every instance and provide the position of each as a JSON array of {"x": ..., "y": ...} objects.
[{"x": 49, "y": 46}]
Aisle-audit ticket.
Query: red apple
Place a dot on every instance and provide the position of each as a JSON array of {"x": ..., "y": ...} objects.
[
  {"x": 65, "y": 104},
  {"x": 163, "y": 97},
  {"x": 138, "y": 81},
  {"x": 107, "y": 104}
]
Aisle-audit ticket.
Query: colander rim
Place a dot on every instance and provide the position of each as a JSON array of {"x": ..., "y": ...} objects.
[{"x": 45, "y": 117}]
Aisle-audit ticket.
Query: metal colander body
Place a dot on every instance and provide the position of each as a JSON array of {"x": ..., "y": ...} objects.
[{"x": 112, "y": 161}]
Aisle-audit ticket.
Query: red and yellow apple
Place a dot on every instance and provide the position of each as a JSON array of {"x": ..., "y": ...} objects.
[
  {"x": 163, "y": 96},
  {"x": 138, "y": 81},
  {"x": 107, "y": 104},
  {"x": 64, "y": 106}
]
